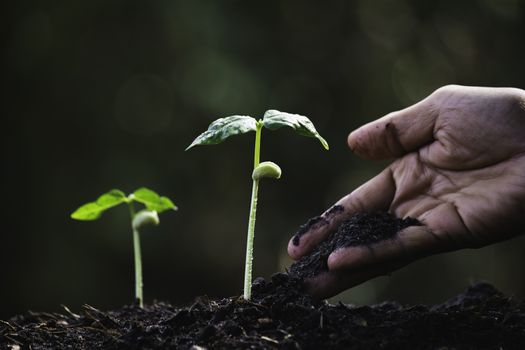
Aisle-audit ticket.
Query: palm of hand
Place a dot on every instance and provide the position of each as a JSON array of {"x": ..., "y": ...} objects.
[
  {"x": 468, "y": 185},
  {"x": 460, "y": 170}
]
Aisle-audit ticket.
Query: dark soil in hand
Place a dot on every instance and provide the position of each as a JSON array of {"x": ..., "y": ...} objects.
[
  {"x": 317, "y": 222},
  {"x": 360, "y": 229},
  {"x": 282, "y": 316}
]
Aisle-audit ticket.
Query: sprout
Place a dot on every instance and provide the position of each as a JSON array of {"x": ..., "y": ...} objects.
[
  {"x": 222, "y": 128},
  {"x": 267, "y": 169},
  {"x": 154, "y": 204}
]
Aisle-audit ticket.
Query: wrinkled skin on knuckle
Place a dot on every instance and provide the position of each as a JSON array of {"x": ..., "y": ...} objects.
[
  {"x": 446, "y": 91},
  {"x": 521, "y": 102},
  {"x": 517, "y": 102}
]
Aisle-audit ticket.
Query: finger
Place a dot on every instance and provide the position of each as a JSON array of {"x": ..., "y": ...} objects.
[
  {"x": 317, "y": 228},
  {"x": 332, "y": 283},
  {"x": 374, "y": 195},
  {"x": 409, "y": 244},
  {"x": 396, "y": 133}
]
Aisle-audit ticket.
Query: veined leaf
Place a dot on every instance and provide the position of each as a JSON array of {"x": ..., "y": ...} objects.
[
  {"x": 152, "y": 200},
  {"x": 274, "y": 120},
  {"x": 223, "y": 128},
  {"x": 93, "y": 210}
]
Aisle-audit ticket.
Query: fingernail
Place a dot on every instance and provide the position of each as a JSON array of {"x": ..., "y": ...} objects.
[{"x": 335, "y": 209}]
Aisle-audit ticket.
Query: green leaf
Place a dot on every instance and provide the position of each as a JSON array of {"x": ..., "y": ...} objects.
[
  {"x": 223, "y": 128},
  {"x": 274, "y": 120},
  {"x": 93, "y": 210},
  {"x": 152, "y": 200}
]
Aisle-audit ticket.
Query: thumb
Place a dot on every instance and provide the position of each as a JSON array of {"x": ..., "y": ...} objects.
[{"x": 397, "y": 133}]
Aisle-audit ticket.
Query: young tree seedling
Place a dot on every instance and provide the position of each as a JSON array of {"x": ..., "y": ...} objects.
[
  {"x": 154, "y": 204},
  {"x": 222, "y": 128}
]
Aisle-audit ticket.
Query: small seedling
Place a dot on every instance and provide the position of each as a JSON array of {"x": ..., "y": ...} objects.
[
  {"x": 222, "y": 128},
  {"x": 153, "y": 203}
]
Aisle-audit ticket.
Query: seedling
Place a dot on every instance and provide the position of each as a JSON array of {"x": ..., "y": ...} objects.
[
  {"x": 222, "y": 128},
  {"x": 153, "y": 203}
]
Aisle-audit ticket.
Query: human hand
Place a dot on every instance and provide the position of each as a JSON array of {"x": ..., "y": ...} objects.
[{"x": 459, "y": 170}]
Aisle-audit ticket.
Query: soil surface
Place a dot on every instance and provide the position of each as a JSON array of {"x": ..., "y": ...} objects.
[{"x": 282, "y": 316}]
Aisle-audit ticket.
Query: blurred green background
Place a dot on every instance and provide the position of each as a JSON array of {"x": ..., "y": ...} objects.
[{"x": 101, "y": 94}]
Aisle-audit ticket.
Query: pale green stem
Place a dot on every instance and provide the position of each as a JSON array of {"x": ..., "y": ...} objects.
[
  {"x": 138, "y": 268},
  {"x": 138, "y": 260},
  {"x": 251, "y": 223}
]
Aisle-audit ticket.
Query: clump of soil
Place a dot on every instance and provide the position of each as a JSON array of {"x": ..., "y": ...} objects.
[
  {"x": 282, "y": 316},
  {"x": 360, "y": 229},
  {"x": 317, "y": 222}
]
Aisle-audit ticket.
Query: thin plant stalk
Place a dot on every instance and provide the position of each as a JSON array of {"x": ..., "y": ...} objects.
[
  {"x": 138, "y": 260},
  {"x": 253, "y": 213},
  {"x": 138, "y": 269}
]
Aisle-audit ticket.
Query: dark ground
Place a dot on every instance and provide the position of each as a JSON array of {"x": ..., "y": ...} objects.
[
  {"x": 481, "y": 318},
  {"x": 281, "y": 315}
]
